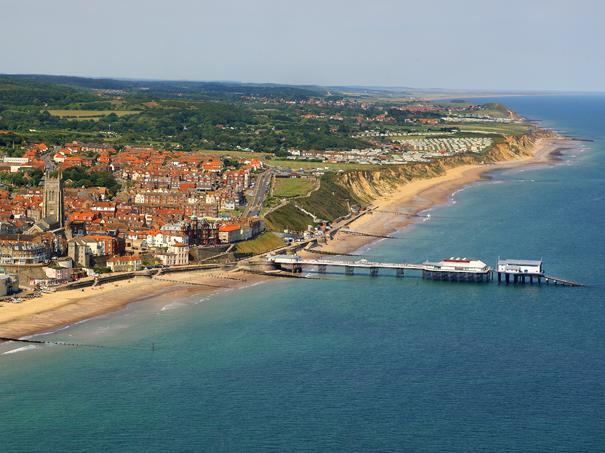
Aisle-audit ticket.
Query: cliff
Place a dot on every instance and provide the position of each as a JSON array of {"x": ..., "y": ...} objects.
[
  {"x": 367, "y": 185},
  {"x": 338, "y": 192}
]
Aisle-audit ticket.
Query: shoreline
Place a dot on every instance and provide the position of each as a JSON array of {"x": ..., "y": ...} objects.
[
  {"x": 59, "y": 310},
  {"x": 422, "y": 195}
]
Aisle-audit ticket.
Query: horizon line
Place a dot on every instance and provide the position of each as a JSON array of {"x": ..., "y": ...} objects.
[{"x": 501, "y": 91}]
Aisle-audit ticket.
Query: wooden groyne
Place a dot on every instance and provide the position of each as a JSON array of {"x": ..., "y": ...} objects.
[{"x": 369, "y": 235}]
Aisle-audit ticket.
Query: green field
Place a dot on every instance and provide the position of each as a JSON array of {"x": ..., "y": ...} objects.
[
  {"x": 496, "y": 128},
  {"x": 90, "y": 114},
  {"x": 419, "y": 136},
  {"x": 235, "y": 154},
  {"x": 261, "y": 244},
  {"x": 292, "y": 187},
  {"x": 320, "y": 166}
]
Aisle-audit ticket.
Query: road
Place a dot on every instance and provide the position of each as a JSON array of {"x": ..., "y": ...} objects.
[
  {"x": 255, "y": 204},
  {"x": 49, "y": 164}
]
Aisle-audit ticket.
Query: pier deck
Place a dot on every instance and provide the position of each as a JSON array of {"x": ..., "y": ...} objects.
[
  {"x": 431, "y": 271},
  {"x": 361, "y": 264}
]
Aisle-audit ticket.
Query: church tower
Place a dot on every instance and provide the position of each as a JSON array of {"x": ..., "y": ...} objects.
[{"x": 53, "y": 200}]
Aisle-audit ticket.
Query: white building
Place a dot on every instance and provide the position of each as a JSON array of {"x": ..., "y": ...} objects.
[
  {"x": 175, "y": 255},
  {"x": 60, "y": 274},
  {"x": 520, "y": 267},
  {"x": 458, "y": 265}
]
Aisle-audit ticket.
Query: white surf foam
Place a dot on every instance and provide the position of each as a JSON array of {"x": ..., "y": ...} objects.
[
  {"x": 203, "y": 299},
  {"x": 24, "y": 348},
  {"x": 172, "y": 306}
]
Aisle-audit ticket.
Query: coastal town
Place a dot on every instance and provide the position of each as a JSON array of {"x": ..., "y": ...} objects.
[
  {"x": 168, "y": 204},
  {"x": 80, "y": 209}
]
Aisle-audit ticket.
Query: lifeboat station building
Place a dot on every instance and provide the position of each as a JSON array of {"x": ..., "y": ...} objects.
[{"x": 520, "y": 270}]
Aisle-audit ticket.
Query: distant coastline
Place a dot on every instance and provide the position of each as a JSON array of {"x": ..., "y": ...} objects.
[{"x": 57, "y": 310}]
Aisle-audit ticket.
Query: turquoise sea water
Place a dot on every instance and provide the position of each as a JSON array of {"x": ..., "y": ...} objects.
[{"x": 354, "y": 363}]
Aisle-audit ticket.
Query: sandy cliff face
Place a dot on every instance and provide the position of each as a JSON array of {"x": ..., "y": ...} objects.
[
  {"x": 368, "y": 185},
  {"x": 338, "y": 191}
]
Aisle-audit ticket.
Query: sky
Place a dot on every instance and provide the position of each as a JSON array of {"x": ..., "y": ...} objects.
[{"x": 463, "y": 44}]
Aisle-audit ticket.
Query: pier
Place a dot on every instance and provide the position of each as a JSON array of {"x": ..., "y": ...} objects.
[
  {"x": 294, "y": 263},
  {"x": 452, "y": 269},
  {"x": 449, "y": 269}
]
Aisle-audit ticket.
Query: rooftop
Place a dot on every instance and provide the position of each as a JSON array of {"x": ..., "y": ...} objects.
[{"x": 515, "y": 262}]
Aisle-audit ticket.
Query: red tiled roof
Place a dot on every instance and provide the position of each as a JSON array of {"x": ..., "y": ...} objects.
[{"x": 229, "y": 227}]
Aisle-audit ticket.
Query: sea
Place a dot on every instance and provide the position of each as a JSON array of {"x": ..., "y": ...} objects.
[{"x": 354, "y": 363}]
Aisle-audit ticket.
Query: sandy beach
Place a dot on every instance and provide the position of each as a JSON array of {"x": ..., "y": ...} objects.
[
  {"x": 52, "y": 311},
  {"x": 59, "y": 309}
]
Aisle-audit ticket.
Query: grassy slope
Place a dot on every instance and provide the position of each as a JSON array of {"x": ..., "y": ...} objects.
[
  {"x": 329, "y": 202},
  {"x": 261, "y": 244},
  {"x": 288, "y": 217},
  {"x": 292, "y": 187}
]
